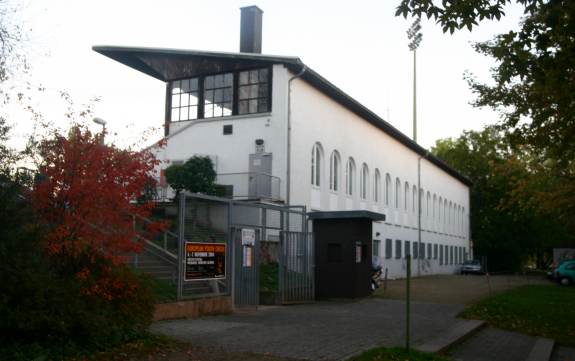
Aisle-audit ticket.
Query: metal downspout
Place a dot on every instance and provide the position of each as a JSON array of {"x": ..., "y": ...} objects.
[
  {"x": 419, "y": 196},
  {"x": 288, "y": 168}
]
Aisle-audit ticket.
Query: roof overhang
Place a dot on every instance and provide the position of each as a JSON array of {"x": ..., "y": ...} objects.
[
  {"x": 347, "y": 215},
  {"x": 171, "y": 64}
]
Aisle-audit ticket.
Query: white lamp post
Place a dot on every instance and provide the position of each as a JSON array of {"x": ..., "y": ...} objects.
[{"x": 101, "y": 122}]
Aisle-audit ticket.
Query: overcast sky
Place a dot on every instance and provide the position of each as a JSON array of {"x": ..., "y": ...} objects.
[{"x": 360, "y": 46}]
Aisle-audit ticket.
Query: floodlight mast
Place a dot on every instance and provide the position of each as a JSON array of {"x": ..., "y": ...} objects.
[{"x": 415, "y": 37}]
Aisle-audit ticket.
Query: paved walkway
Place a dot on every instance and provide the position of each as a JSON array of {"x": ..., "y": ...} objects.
[
  {"x": 320, "y": 331},
  {"x": 492, "y": 344}
]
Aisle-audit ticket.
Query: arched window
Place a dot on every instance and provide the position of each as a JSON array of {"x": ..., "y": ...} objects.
[
  {"x": 377, "y": 186},
  {"x": 316, "y": 164},
  {"x": 414, "y": 198},
  {"x": 349, "y": 176},
  {"x": 450, "y": 218},
  {"x": 364, "y": 181},
  {"x": 439, "y": 213},
  {"x": 434, "y": 205},
  {"x": 334, "y": 171},
  {"x": 387, "y": 189},
  {"x": 397, "y": 192},
  {"x": 445, "y": 214},
  {"x": 428, "y": 204},
  {"x": 406, "y": 196}
]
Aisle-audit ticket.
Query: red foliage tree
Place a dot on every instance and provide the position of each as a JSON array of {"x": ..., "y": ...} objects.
[{"x": 87, "y": 198}]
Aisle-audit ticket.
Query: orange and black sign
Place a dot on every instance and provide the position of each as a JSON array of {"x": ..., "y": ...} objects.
[{"x": 205, "y": 261}]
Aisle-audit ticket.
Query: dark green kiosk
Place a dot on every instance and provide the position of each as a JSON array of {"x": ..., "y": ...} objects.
[{"x": 343, "y": 252}]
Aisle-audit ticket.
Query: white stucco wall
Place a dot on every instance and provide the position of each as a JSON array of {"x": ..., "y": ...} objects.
[
  {"x": 231, "y": 152},
  {"x": 318, "y": 119}
]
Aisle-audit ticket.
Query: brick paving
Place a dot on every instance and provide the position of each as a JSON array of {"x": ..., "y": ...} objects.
[
  {"x": 320, "y": 331},
  {"x": 492, "y": 344}
]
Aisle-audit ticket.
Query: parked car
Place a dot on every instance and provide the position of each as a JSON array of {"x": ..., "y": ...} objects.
[
  {"x": 565, "y": 273},
  {"x": 471, "y": 266}
]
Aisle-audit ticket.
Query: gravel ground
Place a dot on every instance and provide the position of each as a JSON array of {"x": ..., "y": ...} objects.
[{"x": 455, "y": 289}]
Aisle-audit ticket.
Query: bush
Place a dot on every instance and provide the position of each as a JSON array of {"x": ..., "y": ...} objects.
[{"x": 54, "y": 309}]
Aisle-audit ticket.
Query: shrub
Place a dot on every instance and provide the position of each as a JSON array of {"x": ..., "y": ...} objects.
[{"x": 52, "y": 308}]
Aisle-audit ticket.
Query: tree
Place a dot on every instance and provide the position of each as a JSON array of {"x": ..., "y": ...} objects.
[
  {"x": 534, "y": 80},
  {"x": 87, "y": 198},
  {"x": 533, "y": 89},
  {"x": 196, "y": 175},
  {"x": 506, "y": 226}
]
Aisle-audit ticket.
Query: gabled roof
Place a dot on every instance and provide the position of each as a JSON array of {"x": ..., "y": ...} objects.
[{"x": 171, "y": 64}]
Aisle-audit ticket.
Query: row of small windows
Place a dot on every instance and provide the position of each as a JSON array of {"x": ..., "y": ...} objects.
[
  {"x": 432, "y": 207},
  {"x": 220, "y": 95},
  {"x": 447, "y": 255}
]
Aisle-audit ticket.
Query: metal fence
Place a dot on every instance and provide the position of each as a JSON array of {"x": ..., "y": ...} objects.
[{"x": 219, "y": 246}]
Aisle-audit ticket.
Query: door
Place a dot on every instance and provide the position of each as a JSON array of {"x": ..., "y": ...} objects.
[{"x": 260, "y": 181}]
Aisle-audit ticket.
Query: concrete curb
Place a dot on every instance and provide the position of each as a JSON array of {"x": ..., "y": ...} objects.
[
  {"x": 542, "y": 350},
  {"x": 456, "y": 334}
]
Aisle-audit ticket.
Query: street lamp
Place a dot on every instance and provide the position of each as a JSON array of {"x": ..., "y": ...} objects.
[{"x": 101, "y": 122}]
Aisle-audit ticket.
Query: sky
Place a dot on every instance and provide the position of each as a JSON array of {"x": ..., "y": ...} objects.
[{"x": 359, "y": 46}]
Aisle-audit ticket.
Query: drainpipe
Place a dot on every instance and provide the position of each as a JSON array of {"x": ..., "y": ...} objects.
[
  {"x": 288, "y": 170},
  {"x": 419, "y": 196}
]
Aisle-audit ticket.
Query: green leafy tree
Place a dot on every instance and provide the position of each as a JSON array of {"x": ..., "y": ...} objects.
[
  {"x": 196, "y": 175},
  {"x": 506, "y": 226},
  {"x": 532, "y": 88}
]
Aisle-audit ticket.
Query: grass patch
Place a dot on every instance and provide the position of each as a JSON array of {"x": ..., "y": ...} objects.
[
  {"x": 396, "y": 354},
  {"x": 545, "y": 311},
  {"x": 164, "y": 291}
]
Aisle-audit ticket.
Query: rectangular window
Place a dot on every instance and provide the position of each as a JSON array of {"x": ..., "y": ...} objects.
[
  {"x": 397, "y": 249},
  {"x": 422, "y": 250},
  {"x": 429, "y": 251},
  {"x": 441, "y": 255},
  {"x": 446, "y": 248},
  {"x": 376, "y": 244},
  {"x": 184, "y": 102},
  {"x": 388, "y": 251},
  {"x": 415, "y": 250},
  {"x": 450, "y": 254},
  {"x": 435, "y": 251},
  {"x": 218, "y": 95},
  {"x": 407, "y": 249},
  {"x": 253, "y": 91}
]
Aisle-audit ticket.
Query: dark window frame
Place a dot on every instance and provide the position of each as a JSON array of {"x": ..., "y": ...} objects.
[
  {"x": 235, "y": 93},
  {"x": 388, "y": 248}
]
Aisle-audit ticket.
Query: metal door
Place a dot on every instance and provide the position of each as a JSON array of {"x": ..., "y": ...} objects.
[
  {"x": 297, "y": 267},
  {"x": 246, "y": 259},
  {"x": 260, "y": 180}
]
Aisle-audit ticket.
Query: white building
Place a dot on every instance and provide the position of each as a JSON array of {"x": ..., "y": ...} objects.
[{"x": 277, "y": 130}]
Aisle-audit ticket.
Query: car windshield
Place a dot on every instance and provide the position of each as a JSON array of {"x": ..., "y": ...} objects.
[{"x": 472, "y": 262}]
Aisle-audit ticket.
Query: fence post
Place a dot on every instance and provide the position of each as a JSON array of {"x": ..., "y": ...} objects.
[{"x": 181, "y": 245}]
